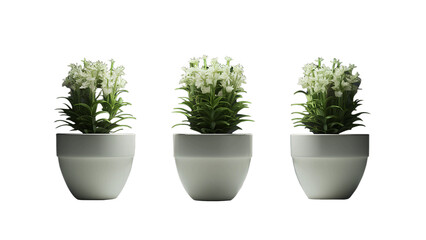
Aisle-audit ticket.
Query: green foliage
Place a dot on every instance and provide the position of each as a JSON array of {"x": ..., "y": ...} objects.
[
  {"x": 328, "y": 114},
  {"x": 83, "y": 115},
  {"x": 211, "y": 113}
]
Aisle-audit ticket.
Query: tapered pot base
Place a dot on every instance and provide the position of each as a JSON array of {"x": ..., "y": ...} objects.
[
  {"x": 212, "y": 179},
  {"x": 212, "y": 167},
  {"x": 95, "y": 178},
  {"x": 329, "y": 178},
  {"x": 329, "y": 166}
]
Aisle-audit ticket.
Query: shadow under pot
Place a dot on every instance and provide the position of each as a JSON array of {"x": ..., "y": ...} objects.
[
  {"x": 212, "y": 167},
  {"x": 329, "y": 166},
  {"x": 95, "y": 166}
]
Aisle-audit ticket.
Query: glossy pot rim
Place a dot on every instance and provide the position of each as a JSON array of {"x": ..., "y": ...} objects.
[
  {"x": 212, "y": 134},
  {"x": 327, "y": 135},
  {"x": 95, "y": 134}
]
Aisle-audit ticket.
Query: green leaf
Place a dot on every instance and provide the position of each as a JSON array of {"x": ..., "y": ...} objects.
[{"x": 300, "y": 91}]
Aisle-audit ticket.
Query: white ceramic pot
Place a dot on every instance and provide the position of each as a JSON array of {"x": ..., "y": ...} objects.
[
  {"x": 95, "y": 166},
  {"x": 329, "y": 166},
  {"x": 212, "y": 167}
]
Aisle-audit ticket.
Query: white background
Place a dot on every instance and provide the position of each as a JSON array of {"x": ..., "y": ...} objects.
[{"x": 272, "y": 40}]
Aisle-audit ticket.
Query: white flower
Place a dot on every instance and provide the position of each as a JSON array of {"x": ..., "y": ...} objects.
[
  {"x": 339, "y": 72},
  {"x": 304, "y": 82},
  {"x": 228, "y": 61},
  {"x": 209, "y": 80},
  {"x": 205, "y": 89},
  {"x": 238, "y": 69},
  {"x": 199, "y": 82},
  {"x": 194, "y": 62},
  {"x": 93, "y": 75},
  {"x": 319, "y": 78},
  {"x": 346, "y": 86},
  {"x": 308, "y": 68},
  {"x": 213, "y": 76},
  {"x": 214, "y": 61},
  {"x": 88, "y": 82}
]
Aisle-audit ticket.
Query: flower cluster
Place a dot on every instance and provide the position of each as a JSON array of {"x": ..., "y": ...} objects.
[
  {"x": 208, "y": 78},
  {"x": 321, "y": 78},
  {"x": 330, "y": 96},
  {"x": 214, "y": 91},
  {"x": 93, "y": 75},
  {"x": 93, "y": 85}
]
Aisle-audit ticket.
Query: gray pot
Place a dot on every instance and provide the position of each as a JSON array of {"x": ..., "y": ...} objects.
[
  {"x": 212, "y": 167},
  {"x": 329, "y": 166},
  {"x": 95, "y": 166}
]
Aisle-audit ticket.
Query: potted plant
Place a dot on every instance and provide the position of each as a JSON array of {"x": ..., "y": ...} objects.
[
  {"x": 96, "y": 163},
  {"x": 329, "y": 165},
  {"x": 212, "y": 165}
]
